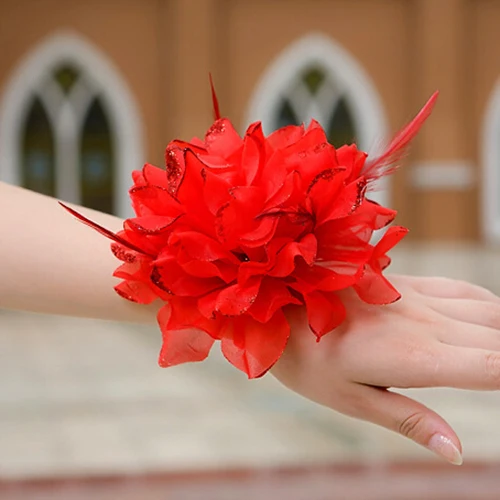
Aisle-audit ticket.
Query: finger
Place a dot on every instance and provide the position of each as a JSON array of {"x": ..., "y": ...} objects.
[
  {"x": 425, "y": 364},
  {"x": 403, "y": 361},
  {"x": 411, "y": 419},
  {"x": 466, "y": 368},
  {"x": 451, "y": 289},
  {"x": 476, "y": 312},
  {"x": 460, "y": 334}
]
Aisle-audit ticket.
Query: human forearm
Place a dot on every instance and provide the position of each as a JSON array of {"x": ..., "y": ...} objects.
[{"x": 50, "y": 263}]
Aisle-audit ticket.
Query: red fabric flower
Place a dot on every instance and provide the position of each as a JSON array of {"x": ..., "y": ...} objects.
[{"x": 235, "y": 229}]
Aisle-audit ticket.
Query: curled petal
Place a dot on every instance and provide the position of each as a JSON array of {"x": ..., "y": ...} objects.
[
  {"x": 285, "y": 259},
  {"x": 148, "y": 200},
  {"x": 350, "y": 157},
  {"x": 150, "y": 224},
  {"x": 390, "y": 239},
  {"x": 374, "y": 288},
  {"x": 273, "y": 295},
  {"x": 322, "y": 278}
]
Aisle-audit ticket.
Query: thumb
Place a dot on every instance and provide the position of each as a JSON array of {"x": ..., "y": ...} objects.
[{"x": 410, "y": 419}]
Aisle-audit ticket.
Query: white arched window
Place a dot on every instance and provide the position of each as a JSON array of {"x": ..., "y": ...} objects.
[
  {"x": 491, "y": 168},
  {"x": 316, "y": 78},
  {"x": 69, "y": 126}
]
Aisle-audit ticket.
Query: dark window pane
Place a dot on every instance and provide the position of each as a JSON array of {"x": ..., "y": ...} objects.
[
  {"x": 341, "y": 128},
  {"x": 66, "y": 76},
  {"x": 97, "y": 162},
  {"x": 38, "y": 170},
  {"x": 313, "y": 79},
  {"x": 285, "y": 115}
]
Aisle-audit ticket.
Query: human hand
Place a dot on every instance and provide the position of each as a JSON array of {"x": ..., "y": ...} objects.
[{"x": 442, "y": 333}]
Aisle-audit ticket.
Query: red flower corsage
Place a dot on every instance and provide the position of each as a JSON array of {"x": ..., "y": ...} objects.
[{"x": 236, "y": 229}]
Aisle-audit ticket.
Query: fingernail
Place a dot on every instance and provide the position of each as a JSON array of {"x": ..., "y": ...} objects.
[{"x": 444, "y": 447}]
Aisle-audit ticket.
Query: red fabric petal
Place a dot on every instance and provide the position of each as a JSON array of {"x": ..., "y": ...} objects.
[
  {"x": 286, "y": 136},
  {"x": 222, "y": 139},
  {"x": 136, "y": 291},
  {"x": 170, "y": 276},
  {"x": 236, "y": 299},
  {"x": 181, "y": 346},
  {"x": 223, "y": 269},
  {"x": 350, "y": 157},
  {"x": 155, "y": 176},
  {"x": 150, "y": 224},
  {"x": 138, "y": 178},
  {"x": 325, "y": 311},
  {"x": 217, "y": 191},
  {"x": 252, "y": 347},
  {"x": 273, "y": 295},
  {"x": 251, "y": 157},
  {"x": 347, "y": 201},
  {"x": 185, "y": 315},
  {"x": 175, "y": 167},
  {"x": 310, "y": 278},
  {"x": 200, "y": 246},
  {"x": 390, "y": 239},
  {"x": 124, "y": 254},
  {"x": 373, "y": 288},
  {"x": 237, "y": 222},
  {"x": 148, "y": 200},
  {"x": 285, "y": 259}
]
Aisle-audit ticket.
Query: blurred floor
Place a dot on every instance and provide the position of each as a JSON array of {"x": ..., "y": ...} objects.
[
  {"x": 400, "y": 482},
  {"x": 81, "y": 397}
]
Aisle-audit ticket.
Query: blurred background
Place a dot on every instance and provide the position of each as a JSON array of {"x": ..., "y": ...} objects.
[{"x": 90, "y": 90}]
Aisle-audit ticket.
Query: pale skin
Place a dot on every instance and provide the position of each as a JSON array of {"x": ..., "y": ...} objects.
[{"x": 443, "y": 333}]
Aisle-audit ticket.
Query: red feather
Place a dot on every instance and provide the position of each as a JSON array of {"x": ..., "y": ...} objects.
[
  {"x": 389, "y": 161},
  {"x": 214, "y": 100},
  {"x": 106, "y": 232}
]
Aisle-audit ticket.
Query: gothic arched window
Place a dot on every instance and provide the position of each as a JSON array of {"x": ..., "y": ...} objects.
[
  {"x": 38, "y": 173},
  {"x": 316, "y": 78},
  {"x": 69, "y": 126},
  {"x": 75, "y": 134},
  {"x": 314, "y": 95}
]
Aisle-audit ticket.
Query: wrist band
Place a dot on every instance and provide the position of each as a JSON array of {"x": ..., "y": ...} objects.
[{"x": 235, "y": 230}]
